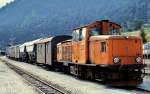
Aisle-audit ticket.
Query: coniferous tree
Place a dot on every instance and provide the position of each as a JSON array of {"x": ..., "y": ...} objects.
[{"x": 143, "y": 35}]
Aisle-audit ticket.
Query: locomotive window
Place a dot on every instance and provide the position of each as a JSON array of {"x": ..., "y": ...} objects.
[
  {"x": 82, "y": 33},
  {"x": 75, "y": 35},
  {"x": 95, "y": 32},
  {"x": 115, "y": 32},
  {"x": 103, "y": 46}
]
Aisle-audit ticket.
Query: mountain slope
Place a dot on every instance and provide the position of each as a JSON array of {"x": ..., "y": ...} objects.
[{"x": 29, "y": 19}]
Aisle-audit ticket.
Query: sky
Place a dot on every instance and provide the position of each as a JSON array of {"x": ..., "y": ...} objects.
[{"x": 4, "y": 2}]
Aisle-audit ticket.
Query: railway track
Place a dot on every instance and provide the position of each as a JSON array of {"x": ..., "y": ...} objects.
[
  {"x": 47, "y": 88},
  {"x": 142, "y": 90},
  {"x": 43, "y": 86}
]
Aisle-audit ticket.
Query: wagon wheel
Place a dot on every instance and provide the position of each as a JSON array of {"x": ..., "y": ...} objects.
[{"x": 143, "y": 73}]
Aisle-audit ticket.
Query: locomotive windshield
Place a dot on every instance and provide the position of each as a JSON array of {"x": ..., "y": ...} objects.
[
  {"x": 95, "y": 32},
  {"x": 79, "y": 35},
  {"x": 75, "y": 35},
  {"x": 115, "y": 32}
]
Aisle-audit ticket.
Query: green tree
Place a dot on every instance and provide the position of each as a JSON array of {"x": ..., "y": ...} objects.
[
  {"x": 143, "y": 35},
  {"x": 138, "y": 24}
]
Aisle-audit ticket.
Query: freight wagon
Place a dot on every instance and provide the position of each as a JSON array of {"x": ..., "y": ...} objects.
[
  {"x": 13, "y": 52},
  {"x": 47, "y": 49},
  {"x": 28, "y": 51}
]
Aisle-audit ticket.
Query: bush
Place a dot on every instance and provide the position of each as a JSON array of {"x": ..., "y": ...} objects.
[{"x": 143, "y": 35}]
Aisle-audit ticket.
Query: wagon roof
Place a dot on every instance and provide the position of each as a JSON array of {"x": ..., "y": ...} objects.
[
  {"x": 105, "y": 37},
  {"x": 30, "y": 42},
  {"x": 13, "y": 46},
  {"x": 45, "y": 40},
  {"x": 70, "y": 40}
]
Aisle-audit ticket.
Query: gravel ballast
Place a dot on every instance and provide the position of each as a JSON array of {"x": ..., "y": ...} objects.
[
  {"x": 68, "y": 83},
  {"x": 12, "y": 83}
]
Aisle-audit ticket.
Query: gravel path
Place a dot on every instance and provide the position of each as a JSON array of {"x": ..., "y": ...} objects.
[
  {"x": 147, "y": 61},
  {"x": 12, "y": 83},
  {"x": 69, "y": 83},
  {"x": 146, "y": 83},
  {"x": 147, "y": 69}
]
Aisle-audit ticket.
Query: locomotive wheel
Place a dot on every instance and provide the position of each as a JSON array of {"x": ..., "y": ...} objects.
[{"x": 82, "y": 71}]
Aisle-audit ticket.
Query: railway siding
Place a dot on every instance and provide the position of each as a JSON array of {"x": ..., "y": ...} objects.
[
  {"x": 12, "y": 83},
  {"x": 43, "y": 86},
  {"x": 146, "y": 83},
  {"x": 147, "y": 69},
  {"x": 69, "y": 83}
]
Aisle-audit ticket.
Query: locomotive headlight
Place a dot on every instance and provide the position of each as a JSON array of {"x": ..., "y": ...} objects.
[
  {"x": 116, "y": 60},
  {"x": 138, "y": 59}
]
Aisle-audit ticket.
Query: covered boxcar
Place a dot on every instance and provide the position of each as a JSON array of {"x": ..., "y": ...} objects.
[
  {"x": 64, "y": 51},
  {"x": 22, "y": 52},
  {"x": 28, "y": 51},
  {"x": 47, "y": 49},
  {"x": 31, "y": 50},
  {"x": 10, "y": 52},
  {"x": 13, "y": 52},
  {"x": 17, "y": 52}
]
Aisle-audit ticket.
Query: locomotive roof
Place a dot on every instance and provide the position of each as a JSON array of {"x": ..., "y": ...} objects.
[
  {"x": 45, "y": 40},
  {"x": 95, "y": 23},
  {"x": 105, "y": 37}
]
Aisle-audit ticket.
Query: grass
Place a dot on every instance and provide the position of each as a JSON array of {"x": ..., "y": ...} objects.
[{"x": 137, "y": 33}]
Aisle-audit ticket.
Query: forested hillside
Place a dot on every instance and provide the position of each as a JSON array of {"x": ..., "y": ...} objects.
[{"x": 25, "y": 20}]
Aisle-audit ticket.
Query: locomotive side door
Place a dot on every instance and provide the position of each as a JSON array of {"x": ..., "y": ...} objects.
[
  {"x": 79, "y": 47},
  {"x": 75, "y": 49},
  {"x": 82, "y": 46}
]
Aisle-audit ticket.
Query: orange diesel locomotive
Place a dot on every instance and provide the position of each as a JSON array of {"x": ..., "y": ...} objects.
[{"x": 98, "y": 51}]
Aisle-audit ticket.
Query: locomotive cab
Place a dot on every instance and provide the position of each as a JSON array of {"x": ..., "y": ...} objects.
[{"x": 81, "y": 36}]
